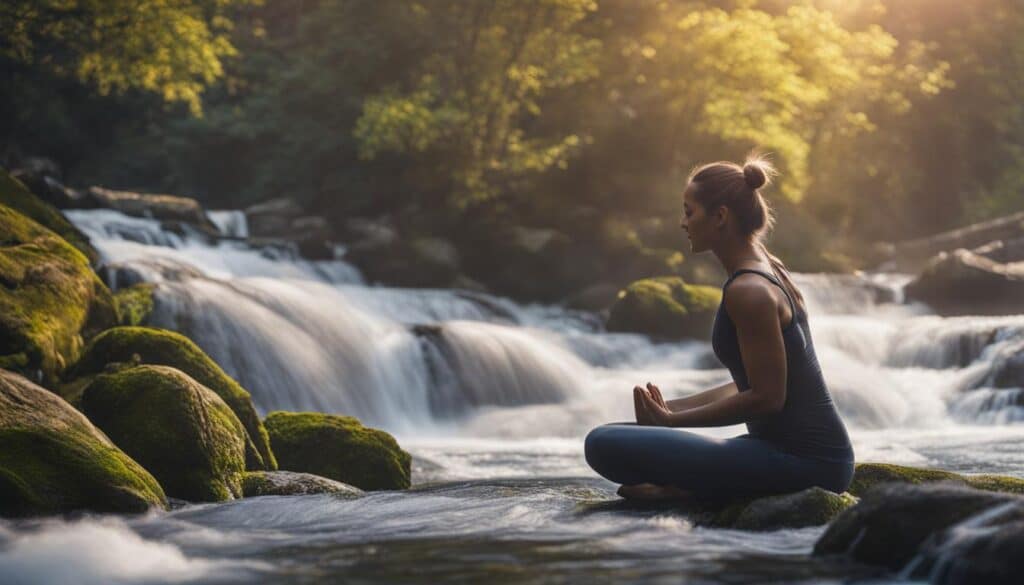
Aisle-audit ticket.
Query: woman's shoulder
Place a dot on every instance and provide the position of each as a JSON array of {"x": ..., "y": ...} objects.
[{"x": 748, "y": 295}]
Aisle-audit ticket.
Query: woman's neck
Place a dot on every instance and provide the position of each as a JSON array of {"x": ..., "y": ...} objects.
[{"x": 737, "y": 253}]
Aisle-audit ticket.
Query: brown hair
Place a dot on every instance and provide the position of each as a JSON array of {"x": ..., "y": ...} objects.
[{"x": 739, "y": 188}]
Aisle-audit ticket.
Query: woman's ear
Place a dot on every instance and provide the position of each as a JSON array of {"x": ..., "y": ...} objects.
[{"x": 721, "y": 217}]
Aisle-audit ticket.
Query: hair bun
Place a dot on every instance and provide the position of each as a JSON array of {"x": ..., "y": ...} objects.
[{"x": 755, "y": 175}]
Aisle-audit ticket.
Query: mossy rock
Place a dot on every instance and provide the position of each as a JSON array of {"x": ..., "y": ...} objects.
[
  {"x": 50, "y": 299},
  {"x": 181, "y": 431},
  {"x": 666, "y": 307},
  {"x": 867, "y": 475},
  {"x": 134, "y": 304},
  {"x": 53, "y": 460},
  {"x": 339, "y": 448},
  {"x": 167, "y": 348},
  {"x": 810, "y": 507},
  {"x": 291, "y": 483},
  {"x": 14, "y": 194}
]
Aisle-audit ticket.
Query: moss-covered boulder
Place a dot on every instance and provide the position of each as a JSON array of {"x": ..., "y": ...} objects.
[
  {"x": 50, "y": 299},
  {"x": 868, "y": 475},
  {"x": 53, "y": 460},
  {"x": 167, "y": 348},
  {"x": 810, "y": 507},
  {"x": 14, "y": 194},
  {"x": 291, "y": 483},
  {"x": 667, "y": 308},
  {"x": 134, "y": 304},
  {"x": 181, "y": 431},
  {"x": 340, "y": 448}
]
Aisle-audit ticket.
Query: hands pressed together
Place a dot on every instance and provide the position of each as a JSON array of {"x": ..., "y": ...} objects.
[{"x": 651, "y": 408}]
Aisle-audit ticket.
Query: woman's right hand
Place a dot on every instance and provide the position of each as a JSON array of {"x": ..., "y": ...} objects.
[{"x": 642, "y": 416}]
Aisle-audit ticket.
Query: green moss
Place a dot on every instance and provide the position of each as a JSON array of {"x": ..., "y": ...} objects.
[
  {"x": 134, "y": 304},
  {"x": 181, "y": 431},
  {"x": 867, "y": 475},
  {"x": 53, "y": 460},
  {"x": 167, "y": 348},
  {"x": 339, "y": 448},
  {"x": 50, "y": 299},
  {"x": 15, "y": 195},
  {"x": 665, "y": 307}
]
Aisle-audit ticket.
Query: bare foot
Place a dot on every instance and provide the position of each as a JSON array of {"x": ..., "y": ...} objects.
[{"x": 650, "y": 491}]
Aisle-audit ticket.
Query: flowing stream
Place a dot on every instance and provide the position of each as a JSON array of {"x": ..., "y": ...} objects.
[{"x": 493, "y": 399}]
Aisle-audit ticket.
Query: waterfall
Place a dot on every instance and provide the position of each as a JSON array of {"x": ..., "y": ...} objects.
[{"x": 311, "y": 335}]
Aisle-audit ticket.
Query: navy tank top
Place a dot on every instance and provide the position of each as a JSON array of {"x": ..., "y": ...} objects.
[{"x": 808, "y": 425}]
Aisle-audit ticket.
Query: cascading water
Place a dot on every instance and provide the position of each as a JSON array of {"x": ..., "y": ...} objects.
[{"x": 304, "y": 335}]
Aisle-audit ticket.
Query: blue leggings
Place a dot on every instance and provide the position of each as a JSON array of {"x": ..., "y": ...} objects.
[{"x": 629, "y": 453}]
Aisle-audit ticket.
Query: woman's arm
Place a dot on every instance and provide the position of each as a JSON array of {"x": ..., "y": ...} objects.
[
  {"x": 706, "y": 397},
  {"x": 763, "y": 352}
]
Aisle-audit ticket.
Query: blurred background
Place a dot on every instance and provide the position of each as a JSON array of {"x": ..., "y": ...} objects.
[{"x": 569, "y": 125}]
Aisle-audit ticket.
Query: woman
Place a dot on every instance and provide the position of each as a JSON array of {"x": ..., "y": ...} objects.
[{"x": 795, "y": 437}]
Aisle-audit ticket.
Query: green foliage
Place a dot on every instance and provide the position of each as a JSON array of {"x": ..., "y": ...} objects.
[
  {"x": 338, "y": 448},
  {"x": 167, "y": 348},
  {"x": 181, "y": 431},
  {"x": 174, "y": 48}
]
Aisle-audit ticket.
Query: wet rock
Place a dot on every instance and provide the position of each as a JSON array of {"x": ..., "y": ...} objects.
[
  {"x": 988, "y": 547},
  {"x": 53, "y": 460},
  {"x": 272, "y": 218},
  {"x": 420, "y": 262},
  {"x": 892, "y": 521},
  {"x": 154, "y": 206},
  {"x": 666, "y": 307},
  {"x": 339, "y": 448},
  {"x": 290, "y": 483},
  {"x": 181, "y": 431},
  {"x": 598, "y": 297},
  {"x": 50, "y": 299},
  {"x": 167, "y": 348},
  {"x": 963, "y": 283}
]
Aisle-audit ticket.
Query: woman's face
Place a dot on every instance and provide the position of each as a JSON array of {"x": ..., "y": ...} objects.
[{"x": 699, "y": 227}]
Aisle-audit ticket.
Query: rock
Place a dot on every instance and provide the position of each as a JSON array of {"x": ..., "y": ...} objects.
[
  {"x": 272, "y": 218},
  {"x": 868, "y": 475},
  {"x": 167, "y": 348},
  {"x": 53, "y": 460},
  {"x": 47, "y": 186},
  {"x": 985, "y": 548},
  {"x": 369, "y": 232},
  {"x": 964, "y": 283},
  {"x": 134, "y": 304},
  {"x": 597, "y": 297},
  {"x": 420, "y": 262},
  {"x": 339, "y": 448},
  {"x": 811, "y": 507},
  {"x": 1008, "y": 371},
  {"x": 50, "y": 299},
  {"x": 15, "y": 195},
  {"x": 891, "y": 521},
  {"x": 666, "y": 307},
  {"x": 154, "y": 206},
  {"x": 181, "y": 431},
  {"x": 290, "y": 483}
]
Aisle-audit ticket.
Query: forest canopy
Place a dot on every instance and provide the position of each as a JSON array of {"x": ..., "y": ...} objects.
[{"x": 888, "y": 119}]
